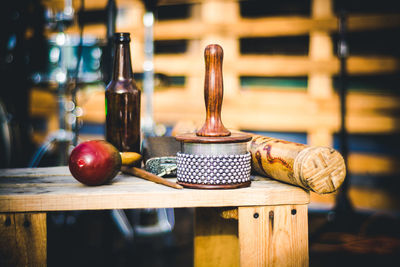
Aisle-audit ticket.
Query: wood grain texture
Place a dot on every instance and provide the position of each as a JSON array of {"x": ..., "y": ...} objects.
[
  {"x": 23, "y": 239},
  {"x": 272, "y": 26},
  {"x": 244, "y": 27},
  {"x": 149, "y": 176},
  {"x": 129, "y": 158},
  {"x": 360, "y": 197},
  {"x": 273, "y": 236},
  {"x": 49, "y": 189},
  {"x": 233, "y": 138},
  {"x": 280, "y": 65},
  {"x": 320, "y": 169},
  {"x": 283, "y": 110},
  {"x": 216, "y": 240},
  {"x": 213, "y": 93}
]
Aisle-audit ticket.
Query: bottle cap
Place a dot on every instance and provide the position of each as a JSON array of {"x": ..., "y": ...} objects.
[{"x": 122, "y": 37}]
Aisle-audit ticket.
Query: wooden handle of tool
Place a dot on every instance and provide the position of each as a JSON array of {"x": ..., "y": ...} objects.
[
  {"x": 149, "y": 176},
  {"x": 130, "y": 158},
  {"x": 316, "y": 168},
  {"x": 213, "y": 93}
]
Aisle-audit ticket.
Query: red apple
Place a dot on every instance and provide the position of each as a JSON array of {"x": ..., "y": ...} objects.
[{"x": 94, "y": 162}]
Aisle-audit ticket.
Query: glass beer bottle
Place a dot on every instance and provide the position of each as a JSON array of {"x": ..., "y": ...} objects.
[{"x": 123, "y": 100}]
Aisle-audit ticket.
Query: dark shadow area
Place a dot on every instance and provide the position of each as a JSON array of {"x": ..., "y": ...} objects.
[
  {"x": 261, "y": 8},
  {"x": 91, "y": 238},
  {"x": 372, "y": 239}
]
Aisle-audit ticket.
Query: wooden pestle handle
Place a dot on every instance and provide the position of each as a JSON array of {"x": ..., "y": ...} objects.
[
  {"x": 213, "y": 93},
  {"x": 149, "y": 176},
  {"x": 130, "y": 158}
]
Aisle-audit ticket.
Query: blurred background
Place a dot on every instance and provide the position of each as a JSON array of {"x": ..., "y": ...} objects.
[{"x": 321, "y": 72}]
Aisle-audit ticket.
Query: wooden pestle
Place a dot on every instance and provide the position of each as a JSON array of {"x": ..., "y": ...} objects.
[
  {"x": 130, "y": 158},
  {"x": 213, "y": 93},
  {"x": 149, "y": 176},
  {"x": 316, "y": 168},
  {"x": 206, "y": 158}
]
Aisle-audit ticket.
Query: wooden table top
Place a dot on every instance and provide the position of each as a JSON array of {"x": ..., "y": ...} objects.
[{"x": 54, "y": 189}]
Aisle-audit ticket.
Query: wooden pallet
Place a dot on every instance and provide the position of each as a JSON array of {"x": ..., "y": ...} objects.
[{"x": 314, "y": 110}]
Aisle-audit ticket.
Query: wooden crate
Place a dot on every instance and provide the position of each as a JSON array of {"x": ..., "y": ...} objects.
[{"x": 314, "y": 110}]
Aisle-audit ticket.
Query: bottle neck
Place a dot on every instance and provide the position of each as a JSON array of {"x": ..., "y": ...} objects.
[{"x": 122, "y": 62}]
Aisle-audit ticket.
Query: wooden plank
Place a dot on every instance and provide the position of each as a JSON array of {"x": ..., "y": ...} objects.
[
  {"x": 320, "y": 86},
  {"x": 278, "y": 65},
  {"x": 261, "y": 65},
  {"x": 244, "y": 27},
  {"x": 177, "y": 2},
  {"x": 194, "y": 84},
  {"x": 320, "y": 137},
  {"x": 361, "y": 198},
  {"x": 216, "y": 239},
  {"x": 279, "y": 100},
  {"x": 372, "y": 65},
  {"x": 373, "y": 22},
  {"x": 23, "y": 239},
  {"x": 216, "y": 13},
  {"x": 271, "y": 110},
  {"x": 56, "y": 189},
  {"x": 280, "y": 25},
  {"x": 89, "y": 4},
  {"x": 273, "y": 236},
  {"x": 369, "y": 164},
  {"x": 41, "y": 102},
  {"x": 271, "y": 26},
  {"x": 182, "y": 65},
  {"x": 281, "y": 111},
  {"x": 93, "y": 104},
  {"x": 322, "y": 9},
  {"x": 371, "y": 198}
]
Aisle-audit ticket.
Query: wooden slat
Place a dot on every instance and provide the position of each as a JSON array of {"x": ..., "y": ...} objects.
[
  {"x": 320, "y": 137},
  {"x": 279, "y": 65},
  {"x": 23, "y": 239},
  {"x": 176, "y": 2},
  {"x": 44, "y": 103},
  {"x": 179, "y": 29},
  {"x": 273, "y": 236},
  {"x": 361, "y": 198},
  {"x": 89, "y": 4},
  {"x": 369, "y": 164},
  {"x": 373, "y": 22},
  {"x": 301, "y": 65},
  {"x": 216, "y": 239},
  {"x": 281, "y": 111},
  {"x": 58, "y": 190},
  {"x": 257, "y": 27},
  {"x": 320, "y": 86},
  {"x": 270, "y": 110},
  {"x": 272, "y": 26}
]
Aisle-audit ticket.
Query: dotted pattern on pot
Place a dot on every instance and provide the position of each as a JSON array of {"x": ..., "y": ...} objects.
[{"x": 213, "y": 170}]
